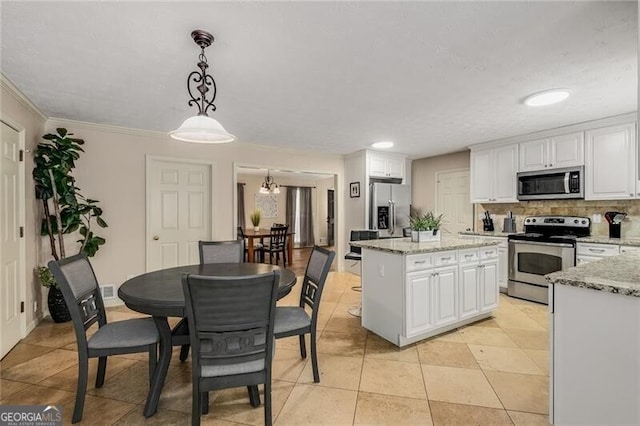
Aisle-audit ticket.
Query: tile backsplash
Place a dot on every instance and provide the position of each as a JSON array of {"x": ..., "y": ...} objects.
[{"x": 630, "y": 226}]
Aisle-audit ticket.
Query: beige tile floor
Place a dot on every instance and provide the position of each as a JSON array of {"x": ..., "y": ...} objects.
[{"x": 494, "y": 372}]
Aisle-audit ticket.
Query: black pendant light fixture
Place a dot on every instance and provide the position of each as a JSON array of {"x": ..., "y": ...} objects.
[
  {"x": 201, "y": 128},
  {"x": 269, "y": 186}
]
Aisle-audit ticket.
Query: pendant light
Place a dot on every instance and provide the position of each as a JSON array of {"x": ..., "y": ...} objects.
[
  {"x": 201, "y": 128},
  {"x": 269, "y": 186}
]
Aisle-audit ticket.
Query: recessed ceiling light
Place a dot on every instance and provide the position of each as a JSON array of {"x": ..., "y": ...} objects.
[
  {"x": 382, "y": 144},
  {"x": 547, "y": 97}
]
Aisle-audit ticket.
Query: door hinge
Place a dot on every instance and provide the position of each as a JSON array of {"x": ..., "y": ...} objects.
[
  {"x": 21, "y": 307},
  {"x": 21, "y": 155},
  {"x": 22, "y": 232}
]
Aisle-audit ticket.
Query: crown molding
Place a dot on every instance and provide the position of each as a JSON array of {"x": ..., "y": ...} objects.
[
  {"x": 77, "y": 124},
  {"x": 6, "y": 84}
]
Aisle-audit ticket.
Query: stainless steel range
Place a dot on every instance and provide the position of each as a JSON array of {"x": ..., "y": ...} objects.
[{"x": 548, "y": 245}]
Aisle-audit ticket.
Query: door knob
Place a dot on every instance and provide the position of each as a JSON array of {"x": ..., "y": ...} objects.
[{"x": 156, "y": 238}]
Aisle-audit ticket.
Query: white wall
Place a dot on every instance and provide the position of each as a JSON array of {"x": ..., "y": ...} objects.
[
  {"x": 112, "y": 170},
  {"x": 423, "y": 173}
]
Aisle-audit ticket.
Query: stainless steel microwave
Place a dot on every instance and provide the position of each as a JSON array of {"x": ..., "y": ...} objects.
[{"x": 551, "y": 184}]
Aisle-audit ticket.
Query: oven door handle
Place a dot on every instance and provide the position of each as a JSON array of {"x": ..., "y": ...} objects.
[
  {"x": 566, "y": 183},
  {"x": 539, "y": 243}
]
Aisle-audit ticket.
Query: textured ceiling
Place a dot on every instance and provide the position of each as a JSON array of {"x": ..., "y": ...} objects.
[{"x": 331, "y": 76}]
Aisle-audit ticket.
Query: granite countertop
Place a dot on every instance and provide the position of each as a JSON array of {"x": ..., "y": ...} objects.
[
  {"x": 488, "y": 234},
  {"x": 606, "y": 240},
  {"x": 614, "y": 274},
  {"x": 405, "y": 246}
]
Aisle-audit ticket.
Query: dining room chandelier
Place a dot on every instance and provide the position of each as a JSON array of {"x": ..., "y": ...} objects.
[
  {"x": 269, "y": 186},
  {"x": 201, "y": 128}
]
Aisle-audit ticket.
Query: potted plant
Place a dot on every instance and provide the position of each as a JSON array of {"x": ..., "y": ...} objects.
[
  {"x": 255, "y": 219},
  {"x": 425, "y": 227},
  {"x": 54, "y": 161}
]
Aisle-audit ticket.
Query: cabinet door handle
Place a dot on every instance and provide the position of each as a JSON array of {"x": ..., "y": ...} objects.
[
  {"x": 445, "y": 259},
  {"x": 488, "y": 252},
  {"x": 420, "y": 262},
  {"x": 550, "y": 165},
  {"x": 630, "y": 195},
  {"x": 592, "y": 250},
  {"x": 468, "y": 256}
]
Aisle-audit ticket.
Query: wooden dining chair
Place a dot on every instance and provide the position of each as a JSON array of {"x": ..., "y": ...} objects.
[
  {"x": 231, "y": 322},
  {"x": 277, "y": 244}
]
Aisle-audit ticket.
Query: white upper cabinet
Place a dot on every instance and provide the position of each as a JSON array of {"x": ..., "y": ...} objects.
[
  {"x": 555, "y": 152},
  {"x": 385, "y": 166},
  {"x": 610, "y": 163},
  {"x": 493, "y": 174}
]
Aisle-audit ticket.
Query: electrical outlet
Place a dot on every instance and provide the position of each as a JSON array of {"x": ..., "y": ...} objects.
[{"x": 596, "y": 218}]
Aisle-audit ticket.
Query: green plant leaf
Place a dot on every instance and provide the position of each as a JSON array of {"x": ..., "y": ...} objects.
[
  {"x": 62, "y": 131},
  {"x": 101, "y": 222}
]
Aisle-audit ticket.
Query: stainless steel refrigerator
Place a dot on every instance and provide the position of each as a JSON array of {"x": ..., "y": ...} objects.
[{"x": 389, "y": 209}]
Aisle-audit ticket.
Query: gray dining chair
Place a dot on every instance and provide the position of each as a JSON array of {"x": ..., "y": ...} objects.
[
  {"x": 77, "y": 281},
  {"x": 210, "y": 252},
  {"x": 231, "y": 321},
  {"x": 221, "y": 251},
  {"x": 295, "y": 320}
]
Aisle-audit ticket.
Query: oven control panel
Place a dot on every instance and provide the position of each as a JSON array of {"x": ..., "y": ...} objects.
[{"x": 566, "y": 221}]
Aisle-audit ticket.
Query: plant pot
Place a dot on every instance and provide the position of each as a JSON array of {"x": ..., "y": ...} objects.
[
  {"x": 57, "y": 306},
  {"x": 256, "y": 228},
  {"x": 425, "y": 236}
]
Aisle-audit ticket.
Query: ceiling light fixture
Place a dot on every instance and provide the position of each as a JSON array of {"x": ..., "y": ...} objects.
[
  {"x": 201, "y": 128},
  {"x": 547, "y": 97},
  {"x": 269, "y": 186},
  {"x": 382, "y": 144}
]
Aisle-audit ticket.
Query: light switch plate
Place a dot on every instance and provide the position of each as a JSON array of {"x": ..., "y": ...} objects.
[{"x": 596, "y": 218}]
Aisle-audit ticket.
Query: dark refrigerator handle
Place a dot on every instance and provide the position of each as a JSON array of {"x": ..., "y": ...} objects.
[{"x": 392, "y": 218}]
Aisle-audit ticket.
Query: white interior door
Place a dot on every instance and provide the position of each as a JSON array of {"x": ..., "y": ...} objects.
[
  {"x": 11, "y": 269},
  {"x": 452, "y": 188},
  {"x": 179, "y": 211}
]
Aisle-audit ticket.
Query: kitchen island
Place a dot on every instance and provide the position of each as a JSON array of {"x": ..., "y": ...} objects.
[
  {"x": 595, "y": 342},
  {"x": 411, "y": 291}
]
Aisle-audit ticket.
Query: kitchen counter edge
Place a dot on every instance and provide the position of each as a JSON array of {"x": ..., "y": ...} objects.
[
  {"x": 405, "y": 246},
  {"x": 615, "y": 274}
]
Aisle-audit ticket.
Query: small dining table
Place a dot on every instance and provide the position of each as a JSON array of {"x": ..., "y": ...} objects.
[
  {"x": 251, "y": 234},
  {"x": 160, "y": 295}
]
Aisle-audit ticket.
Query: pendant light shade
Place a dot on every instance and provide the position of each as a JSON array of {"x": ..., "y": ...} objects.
[{"x": 202, "y": 129}]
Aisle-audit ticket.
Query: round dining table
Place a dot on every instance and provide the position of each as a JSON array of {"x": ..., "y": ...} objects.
[{"x": 159, "y": 294}]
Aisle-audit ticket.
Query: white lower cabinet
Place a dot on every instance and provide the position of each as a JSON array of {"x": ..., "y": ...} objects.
[
  {"x": 445, "y": 300},
  {"x": 407, "y": 298},
  {"x": 478, "y": 287},
  {"x": 419, "y": 289},
  {"x": 469, "y": 290},
  {"x": 489, "y": 285}
]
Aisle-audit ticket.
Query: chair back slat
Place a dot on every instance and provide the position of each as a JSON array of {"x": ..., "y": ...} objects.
[
  {"x": 221, "y": 251},
  {"x": 77, "y": 281},
  {"x": 230, "y": 317},
  {"x": 315, "y": 277}
]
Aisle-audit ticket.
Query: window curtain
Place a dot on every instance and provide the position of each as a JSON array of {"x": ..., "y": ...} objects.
[
  {"x": 241, "y": 205},
  {"x": 306, "y": 218},
  {"x": 290, "y": 212}
]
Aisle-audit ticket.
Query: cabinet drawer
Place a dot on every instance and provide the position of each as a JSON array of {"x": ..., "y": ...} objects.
[
  {"x": 627, "y": 249},
  {"x": 589, "y": 249},
  {"x": 469, "y": 255},
  {"x": 488, "y": 252},
  {"x": 415, "y": 262},
  {"x": 445, "y": 258}
]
